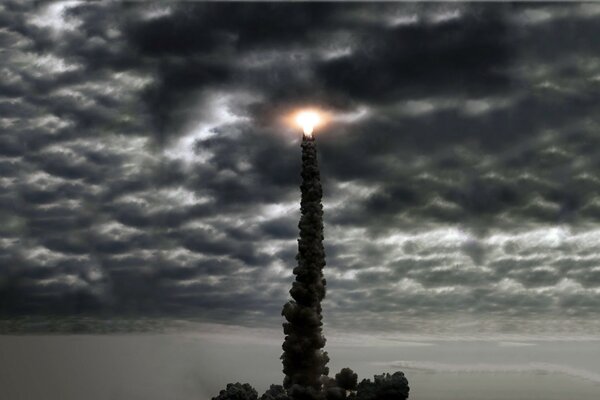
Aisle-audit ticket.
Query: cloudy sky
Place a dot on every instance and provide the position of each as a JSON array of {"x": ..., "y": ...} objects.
[{"x": 146, "y": 171}]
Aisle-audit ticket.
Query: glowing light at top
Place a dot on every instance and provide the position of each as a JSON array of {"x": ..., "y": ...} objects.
[{"x": 308, "y": 120}]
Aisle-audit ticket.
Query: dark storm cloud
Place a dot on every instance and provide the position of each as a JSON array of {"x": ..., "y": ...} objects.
[
  {"x": 143, "y": 172},
  {"x": 394, "y": 62},
  {"x": 198, "y": 45}
]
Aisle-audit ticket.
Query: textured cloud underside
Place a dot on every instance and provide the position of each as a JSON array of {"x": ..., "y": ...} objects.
[{"x": 145, "y": 172}]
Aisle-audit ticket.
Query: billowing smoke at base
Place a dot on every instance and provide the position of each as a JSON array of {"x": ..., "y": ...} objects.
[
  {"x": 304, "y": 360},
  {"x": 343, "y": 387},
  {"x": 237, "y": 391}
]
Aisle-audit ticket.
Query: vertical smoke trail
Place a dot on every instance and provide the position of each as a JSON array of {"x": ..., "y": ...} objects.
[{"x": 304, "y": 361}]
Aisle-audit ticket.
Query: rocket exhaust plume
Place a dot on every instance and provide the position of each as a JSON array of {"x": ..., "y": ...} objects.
[{"x": 304, "y": 361}]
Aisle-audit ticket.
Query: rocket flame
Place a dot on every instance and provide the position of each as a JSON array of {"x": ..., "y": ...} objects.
[{"x": 308, "y": 119}]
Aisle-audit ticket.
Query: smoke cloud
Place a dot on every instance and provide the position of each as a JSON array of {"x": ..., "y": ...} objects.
[
  {"x": 304, "y": 361},
  {"x": 384, "y": 387},
  {"x": 237, "y": 391}
]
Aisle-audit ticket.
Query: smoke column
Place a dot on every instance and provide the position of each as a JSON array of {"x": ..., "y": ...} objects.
[{"x": 304, "y": 361}]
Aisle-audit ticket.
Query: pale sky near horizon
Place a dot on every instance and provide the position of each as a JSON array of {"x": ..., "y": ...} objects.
[{"x": 188, "y": 366}]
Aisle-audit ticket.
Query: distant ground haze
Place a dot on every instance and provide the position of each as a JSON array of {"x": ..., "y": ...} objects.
[{"x": 186, "y": 366}]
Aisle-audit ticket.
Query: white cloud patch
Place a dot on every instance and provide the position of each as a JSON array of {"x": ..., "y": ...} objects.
[
  {"x": 216, "y": 110},
  {"x": 53, "y": 16}
]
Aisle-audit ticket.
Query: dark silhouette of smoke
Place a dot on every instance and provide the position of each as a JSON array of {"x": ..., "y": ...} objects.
[
  {"x": 346, "y": 379},
  {"x": 304, "y": 361},
  {"x": 275, "y": 392},
  {"x": 237, "y": 391},
  {"x": 332, "y": 391},
  {"x": 384, "y": 387}
]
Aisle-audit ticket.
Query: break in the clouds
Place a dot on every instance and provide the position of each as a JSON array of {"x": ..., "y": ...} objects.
[{"x": 146, "y": 172}]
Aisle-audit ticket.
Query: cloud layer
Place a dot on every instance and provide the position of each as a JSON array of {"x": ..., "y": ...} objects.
[{"x": 146, "y": 172}]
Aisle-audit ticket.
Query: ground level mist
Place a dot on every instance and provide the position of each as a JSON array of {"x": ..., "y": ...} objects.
[{"x": 196, "y": 365}]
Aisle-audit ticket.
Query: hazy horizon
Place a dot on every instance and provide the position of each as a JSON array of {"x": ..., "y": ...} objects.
[{"x": 196, "y": 365}]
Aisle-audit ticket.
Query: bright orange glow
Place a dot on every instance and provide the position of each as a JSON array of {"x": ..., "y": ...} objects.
[{"x": 308, "y": 120}]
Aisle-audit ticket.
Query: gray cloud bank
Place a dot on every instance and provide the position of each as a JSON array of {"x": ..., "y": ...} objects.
[{"x": 145, "y": 173}]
